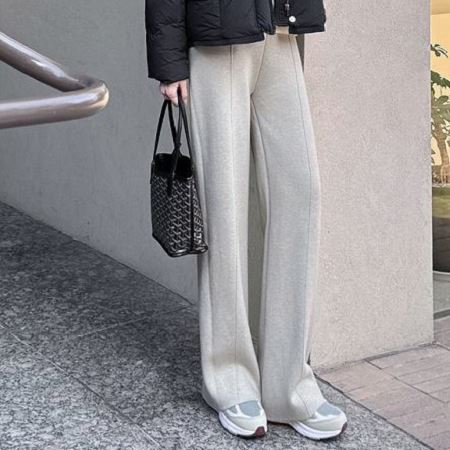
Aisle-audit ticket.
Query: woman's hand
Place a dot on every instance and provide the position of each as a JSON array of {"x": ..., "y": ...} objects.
[{"x": 169, "y": 91}]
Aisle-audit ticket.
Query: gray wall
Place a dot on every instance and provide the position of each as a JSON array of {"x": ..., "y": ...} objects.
[
  {"x": 368, "y": 79},
  {"x": 89, "y": 178}
]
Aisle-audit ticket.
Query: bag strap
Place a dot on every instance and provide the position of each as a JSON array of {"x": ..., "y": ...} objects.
[
  {"x": 177, "y": 139},
  {"x": 177, "y": 152},
  {"x": 160, "y": 122},
  {"x": 185, "y": 121},
  {"x": 176, "y": 135}
]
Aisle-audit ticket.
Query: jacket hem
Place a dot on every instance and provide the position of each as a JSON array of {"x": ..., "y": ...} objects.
[
  {"x": 227, "y": 41},
  {"x": 168, "y": 80},
  {"x": 303, "y": 30}
]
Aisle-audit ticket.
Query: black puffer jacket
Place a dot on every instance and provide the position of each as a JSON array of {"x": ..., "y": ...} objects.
[{"x": 173, "y": 26}]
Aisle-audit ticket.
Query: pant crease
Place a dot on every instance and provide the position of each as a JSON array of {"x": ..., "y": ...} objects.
[
  {"x": 201, "y": 257},
  {"x": 260, "y": 64},
  {"x": 309, "y": 211},
  {"x": 236, "y": 235},
  {"x": 268, "y": 222}
]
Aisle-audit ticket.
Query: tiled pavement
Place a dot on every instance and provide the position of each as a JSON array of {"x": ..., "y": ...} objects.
[
  {"x": 94, "y": 355},
  {"x": 411, "y": 389}
]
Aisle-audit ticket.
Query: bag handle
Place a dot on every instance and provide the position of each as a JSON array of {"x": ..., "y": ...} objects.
[
  {"x": 176, "y": 135},
  {"x": 160, "y": 122},
  {"x": 176, "y": 152},
  {"x": 182, "y": 115},
  {"x": 186, "y": 125}
]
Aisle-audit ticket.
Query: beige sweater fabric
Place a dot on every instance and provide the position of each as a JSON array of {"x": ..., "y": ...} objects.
[
  {"x": 282, "y": 29},
  {"x": 256, "y": 90}
]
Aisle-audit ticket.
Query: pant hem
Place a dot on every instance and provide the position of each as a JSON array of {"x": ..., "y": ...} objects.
[
  {"x": 211, "y": 403},
  {"x": 286, "y": 420}
]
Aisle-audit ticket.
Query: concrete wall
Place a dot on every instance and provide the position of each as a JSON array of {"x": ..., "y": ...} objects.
[
  {"x": 368, "y": 85},
  {"x": 368, "y": 81},
  {"x": 89, "y": 178}
]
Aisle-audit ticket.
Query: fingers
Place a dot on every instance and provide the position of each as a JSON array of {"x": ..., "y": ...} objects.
[
  {"x": 184, "y": 91},
  {"x": 162, "y": 89},
  {"x": 169, "y": 91}
]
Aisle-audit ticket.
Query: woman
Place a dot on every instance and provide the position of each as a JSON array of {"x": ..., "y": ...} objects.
[{"x": 247, "y": 98}]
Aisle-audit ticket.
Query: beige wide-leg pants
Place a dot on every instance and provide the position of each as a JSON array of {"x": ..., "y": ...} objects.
[{"x": 249, "y": 100}]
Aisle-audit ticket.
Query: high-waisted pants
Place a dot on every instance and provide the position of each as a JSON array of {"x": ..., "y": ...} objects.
[{"x": 249, "y": 101}]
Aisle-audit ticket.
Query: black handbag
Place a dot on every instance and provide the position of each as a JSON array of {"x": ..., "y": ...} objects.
[{"x": 177, "y": 222}]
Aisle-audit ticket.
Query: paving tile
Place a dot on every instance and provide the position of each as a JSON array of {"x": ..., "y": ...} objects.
[
  {"x": 42, "y": 408},
  {"x": 401, "y": 371},
  {"x": 53, "y": 287},
  {"x": 141, "y": 358},
  {"x": 35, "y": 258},
  {"x": 43, "y": 317},
  {"x": 406, "y": 406},
  {"x": 439, "y": 441},
  {"x": 436, "y": 425},
  {"x": 394, "y": 398},
  {"x": 442, "y": 394},
  {"x": 355, "y": 376},
  {"x": 41, "y": 320},
  {"x": 19, "y": 231},
  {"x": 417, "y": 416},
  {"x": 371, "y": 390},
  {"x": 429, "y": 373},
  {"x": 435, "y": 384},
  {"x": 74, "y": 270},
  {"x": 425, "y": 430},
  {"x": 407, "y": 357}
]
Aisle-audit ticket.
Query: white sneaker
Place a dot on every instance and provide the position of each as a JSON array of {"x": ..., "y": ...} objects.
[
  {"x": 327, "y": 422},
  {"x": 247, "y": 419}
]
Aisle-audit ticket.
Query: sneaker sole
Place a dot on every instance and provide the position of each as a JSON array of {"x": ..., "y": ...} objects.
[
  {"x": 318, "y": 435},
  {"x": 238, "y": 431}
]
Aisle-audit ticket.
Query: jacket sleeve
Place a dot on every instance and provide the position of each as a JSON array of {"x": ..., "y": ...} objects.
[{"x": 167, "y": 52}]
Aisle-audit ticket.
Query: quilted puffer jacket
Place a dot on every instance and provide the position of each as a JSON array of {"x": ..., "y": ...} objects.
[{"x": 172, "y": 26}]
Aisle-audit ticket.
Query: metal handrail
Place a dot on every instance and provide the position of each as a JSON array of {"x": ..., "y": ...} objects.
[{"x": 83, "y": 96}]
